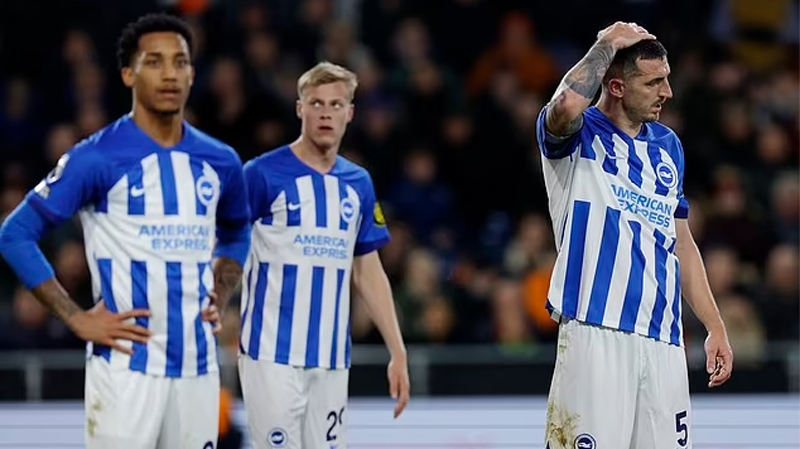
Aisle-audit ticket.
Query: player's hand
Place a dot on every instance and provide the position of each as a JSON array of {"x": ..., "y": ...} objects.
[
  {"x": 399, "y": 384},
  {"x": 101, "y": 326},
  {"x": 622, "y": 35},
  {"x": 212, "y": 314},
  {"x": 719, "y": 358}
]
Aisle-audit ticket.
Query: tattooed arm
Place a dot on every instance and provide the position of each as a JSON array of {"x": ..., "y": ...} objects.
[
  {"x": 56, "y": 299},
  {"x": 581, "y": 83},
  {"x": 18, "y": 245}
]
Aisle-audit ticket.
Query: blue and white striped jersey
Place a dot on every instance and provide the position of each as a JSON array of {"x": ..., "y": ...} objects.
[
  {"x": 150, "y": 219},
  {"x": 613, "y": 203},
  {"x": 307, "y": 229}
]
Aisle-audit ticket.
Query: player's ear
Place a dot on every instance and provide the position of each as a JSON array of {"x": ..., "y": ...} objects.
[
  {"x": 616, "y": 87},
  {"x": 351, "y": 110},
  {"x": 298, "y": 108},
  {"x": 127, "y": 77}
]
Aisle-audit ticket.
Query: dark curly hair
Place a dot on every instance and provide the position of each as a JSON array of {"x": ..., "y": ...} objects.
[
  {"x": 151, "y": 23},
  {"x": 624, "y": 63}
]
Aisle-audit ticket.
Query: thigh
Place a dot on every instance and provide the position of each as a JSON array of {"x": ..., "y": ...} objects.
[
  {"x": 325, "y": 424},
  {"x": 593, "y": 392},
  {"x": 664, "y": 415},
  {"x": 123, "y": 408},
  {"x": 275, "y": 402},
  {"x": 192, "y": 418}
]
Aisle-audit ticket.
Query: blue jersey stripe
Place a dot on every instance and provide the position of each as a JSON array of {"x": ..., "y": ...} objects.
[
  {"x": 259, "y": 297},
  {"x": 174, "y": 320},
  {"x": 284, "y": 341},
  {"x": 200, "y": 334},
  {"x": 168, "y": 188},
  {"x": 587, "y": 152},
  {"x": 315, "y": 316},
  {"x": 655, "y": 159},
  {"x": 609, "y": 158},
  {"x": 293, "y": 207},
  {"x": 635, "y": 164},
  {"x": 320, "y": 200},
  {"x": 139, "y": 299},
  {"x": 633, "y": 293},
  {"x": 661, "y": 287},
  {"x": 347, "y": 207},
  {"x": 197, "y": 173},
  {"x": 335, "y": 340},
  {"x": 675, "y": 331},
  {"x": 136, "y": 186},
  {"x": 605, "y": 267},
  {"x": 107, "y": 292},
  {"x": 348, "y": 348},
  {"x": 246, "y": 307},
  {"x": 577, "y": 240}
]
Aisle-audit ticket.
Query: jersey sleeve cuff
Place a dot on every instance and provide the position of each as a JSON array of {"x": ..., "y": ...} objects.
[
  {"x": 368, "y": 247},
  {"x": 682, "y": 212}
]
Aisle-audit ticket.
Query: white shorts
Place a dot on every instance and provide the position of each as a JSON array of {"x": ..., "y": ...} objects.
[
  {"x": 293, "y": 407},
  {"x": 617, "y": 390},
  {"x": 132, "y": 410}
]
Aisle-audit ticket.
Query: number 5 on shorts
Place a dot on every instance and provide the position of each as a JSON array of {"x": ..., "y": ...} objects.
[
  {"x": 681, "y": 428},
  {"x": 334, "y": 418}
]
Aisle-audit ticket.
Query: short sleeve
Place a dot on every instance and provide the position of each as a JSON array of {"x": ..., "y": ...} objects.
[
  {"x": 682, "y": 211},
  {"x": 74, "y": 182},
  {"x": 233, "y": 210},
  {"x": 257, "y": 190},
  {"x": 373, "y": 234},
  {"x": 553, "y": 147}
]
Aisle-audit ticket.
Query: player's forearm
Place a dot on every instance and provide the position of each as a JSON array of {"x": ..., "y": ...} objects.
[
  {"x": 696, "y": 290},
  {"x": 227, "y": 276},
  {"x": 372, "y": 285},
  {"x": 57, "y": 300},
  {"x": 577, "y": 89},
  {"x": 380, "y": 307}
]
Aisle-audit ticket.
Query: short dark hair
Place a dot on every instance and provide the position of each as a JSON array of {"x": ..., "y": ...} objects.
[
  {"x": 624, "y": 63},
  {"x": 151, "y": 23}
]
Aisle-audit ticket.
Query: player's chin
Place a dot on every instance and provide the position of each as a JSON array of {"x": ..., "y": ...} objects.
[
  {"x": 325, "y": 141},
  {"x": 168, "y": 109},
  {"x": 652, "y": 116}
]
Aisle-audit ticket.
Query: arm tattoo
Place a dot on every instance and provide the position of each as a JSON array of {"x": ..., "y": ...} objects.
[
  {"x": 585, "y": 78},
  {"x": 227, "y": 275},
  {"x": 56, "y": 299}
]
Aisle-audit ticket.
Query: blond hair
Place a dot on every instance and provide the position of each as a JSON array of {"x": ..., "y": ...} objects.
[{"x": 327, "y": 73}]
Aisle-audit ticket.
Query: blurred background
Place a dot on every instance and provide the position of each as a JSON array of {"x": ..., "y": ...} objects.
[{"x": 445, "y": 122}]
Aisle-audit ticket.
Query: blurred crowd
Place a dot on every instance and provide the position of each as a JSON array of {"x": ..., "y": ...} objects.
[{"x": 445, "y": 122}]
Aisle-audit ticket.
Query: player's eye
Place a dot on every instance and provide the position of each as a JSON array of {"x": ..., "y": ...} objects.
[
  {"x": 151, "y": 62},
  {"x": 316, "y": 104}
]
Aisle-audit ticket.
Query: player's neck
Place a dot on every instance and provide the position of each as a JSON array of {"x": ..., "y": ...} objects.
[
  {"x": 166, "y": 130},
  {"x": 319, "y": 159},
  {"x": 612, "y": 109}
]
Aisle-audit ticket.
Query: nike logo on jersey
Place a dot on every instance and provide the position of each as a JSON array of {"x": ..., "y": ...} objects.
[
  {"x": 293, "y": 207},
  {"x": 137, "y": 191}
]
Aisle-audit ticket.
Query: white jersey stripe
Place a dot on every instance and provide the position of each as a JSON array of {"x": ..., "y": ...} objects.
[
  {"x": 308, "y": 202},
  {"x": 190, "y": 274},
  {"x": 151, "y": 181},
  {"x": 301, "y": 312},
  {"x": 332, "y": 201},
  {"x": 182, "y": 169},
  {"x": 120, "y": 190}
]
